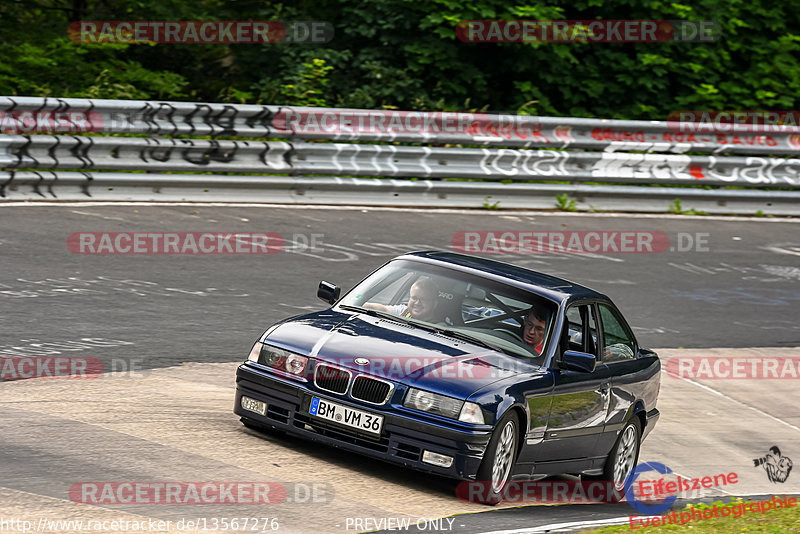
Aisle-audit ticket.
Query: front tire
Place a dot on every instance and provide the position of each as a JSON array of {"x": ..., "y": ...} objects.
[{"x": 498, "y": 460}]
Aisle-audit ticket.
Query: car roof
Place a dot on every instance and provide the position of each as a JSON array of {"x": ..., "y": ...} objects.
[{"x": 555, "y": 288}]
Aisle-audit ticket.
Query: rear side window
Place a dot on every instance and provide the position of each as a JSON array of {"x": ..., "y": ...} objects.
[
  {"x": 582, "y": 336},
  {"x": 618, "y": 343}
]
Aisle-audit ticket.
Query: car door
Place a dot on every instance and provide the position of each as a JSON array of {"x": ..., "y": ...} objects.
[
  {"x": 619, "y": 355},
  {"x": 579, "y": 400}
]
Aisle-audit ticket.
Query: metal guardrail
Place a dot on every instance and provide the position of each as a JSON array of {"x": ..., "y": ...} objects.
[
  {"x": 232, "y": 120},
  {"x": 510, "y": 148},
  {"x": 278, "y": 157},
  {"x": 75, "y": 186}
]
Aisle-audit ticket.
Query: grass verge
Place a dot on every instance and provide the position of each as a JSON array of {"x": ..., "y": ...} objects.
[{"x": 754, "y": 516}]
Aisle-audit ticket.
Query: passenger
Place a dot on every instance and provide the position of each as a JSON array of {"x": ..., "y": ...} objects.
[
  {"x": 533, "y": 330},
  {"x": 422, "y": 302}
]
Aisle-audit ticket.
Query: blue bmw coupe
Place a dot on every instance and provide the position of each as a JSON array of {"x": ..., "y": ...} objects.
[{"x": 461, "y": 366}]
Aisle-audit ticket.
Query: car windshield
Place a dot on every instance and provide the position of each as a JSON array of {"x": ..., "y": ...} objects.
[{"x": 493, "y": 314}]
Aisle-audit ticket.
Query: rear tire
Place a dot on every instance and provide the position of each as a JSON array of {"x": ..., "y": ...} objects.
[
  {"x": 498, "y": 460},
  {"x": 622, "y": 459}
]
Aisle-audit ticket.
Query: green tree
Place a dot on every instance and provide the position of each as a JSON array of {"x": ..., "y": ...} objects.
[{"x": 405, "y": 54}]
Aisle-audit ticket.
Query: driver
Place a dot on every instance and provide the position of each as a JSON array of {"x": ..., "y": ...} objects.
[
  {"x": 533, "y": 330},
  {"x": 422, "y": 302}
]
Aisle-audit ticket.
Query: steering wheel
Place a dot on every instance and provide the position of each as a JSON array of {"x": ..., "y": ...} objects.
[
  {"x": 511, "y": 333},
  {"x": 518, "y": 338}
]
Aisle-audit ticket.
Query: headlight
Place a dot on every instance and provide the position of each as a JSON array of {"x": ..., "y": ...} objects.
[
  {"x": 296, "y": 364},
  {"x": 282, "y": 360},
  {"x": 433, "y": 403}
]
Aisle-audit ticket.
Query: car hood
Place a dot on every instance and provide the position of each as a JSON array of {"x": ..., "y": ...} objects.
[{"x": 397, "y": 351}]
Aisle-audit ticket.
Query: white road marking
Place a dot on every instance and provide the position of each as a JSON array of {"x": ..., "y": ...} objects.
[
  {"x": 99, "y": 215},
  {"x": 740, "y": 403},
  {"x": 563, "y": 526},
  {"x": 521, "y": 212}
]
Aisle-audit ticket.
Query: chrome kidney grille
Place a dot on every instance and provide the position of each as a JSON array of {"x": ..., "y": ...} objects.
[
  {"x": 332, "y": 379},
  {"x": 371, "y": 390},
  {"x": 364, "y": 388}
]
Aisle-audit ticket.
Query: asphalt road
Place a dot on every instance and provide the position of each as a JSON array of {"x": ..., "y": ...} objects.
[
  {"x": 740, "y": 289},
  {"x": 175, "y": 325},
  {"x": 61, "y": 438}
]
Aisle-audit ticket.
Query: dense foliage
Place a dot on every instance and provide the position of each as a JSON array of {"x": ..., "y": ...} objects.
[{"x": 405, "y": 54}]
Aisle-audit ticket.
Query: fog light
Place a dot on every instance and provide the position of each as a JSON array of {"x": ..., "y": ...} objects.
[
  {"x": 439, "y": 460},
  {"x": 253, "y": 405}
]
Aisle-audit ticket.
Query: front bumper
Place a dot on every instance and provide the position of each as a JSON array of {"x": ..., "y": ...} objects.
[{"x": 402, "y": 440}]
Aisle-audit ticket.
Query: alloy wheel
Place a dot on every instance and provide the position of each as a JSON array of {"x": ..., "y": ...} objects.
[
  {"x": 503, "y": 457},
  {"x": 626, "y": 455}
]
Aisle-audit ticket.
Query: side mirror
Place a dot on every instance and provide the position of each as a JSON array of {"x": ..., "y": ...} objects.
[
  {"x": 581, "y": 362},
  {"x": 328, "y": 292}
]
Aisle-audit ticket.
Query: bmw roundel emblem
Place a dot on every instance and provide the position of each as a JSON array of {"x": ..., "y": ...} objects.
[{"x": 362, "y": 361}]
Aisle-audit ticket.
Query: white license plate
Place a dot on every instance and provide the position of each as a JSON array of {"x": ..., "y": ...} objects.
[
  {"x": 344, "y": 415},
  {"x": 253, "y": 405}
]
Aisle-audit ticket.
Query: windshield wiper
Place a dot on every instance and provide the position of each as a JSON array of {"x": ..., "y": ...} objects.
[
  {"x": 425, "y": 326},
  {"x": 454, "y": 334},
  {"x": 470, "y": 339}
]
